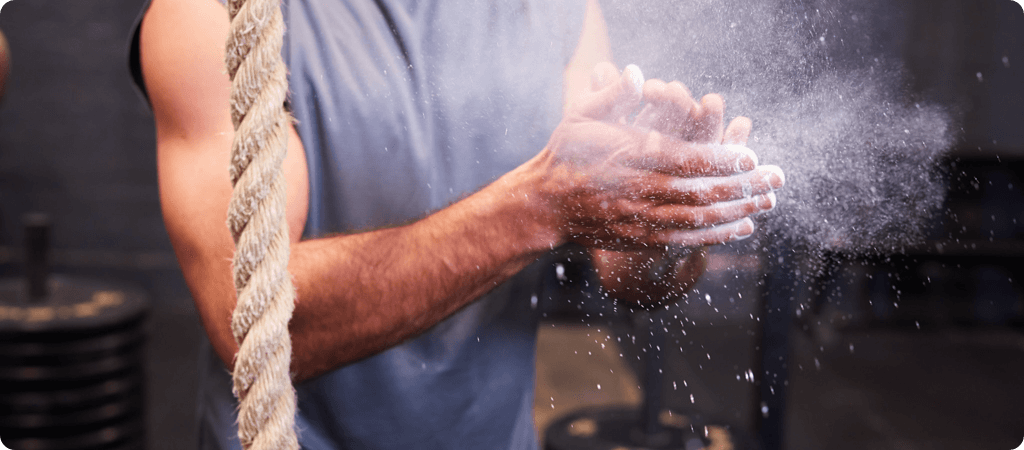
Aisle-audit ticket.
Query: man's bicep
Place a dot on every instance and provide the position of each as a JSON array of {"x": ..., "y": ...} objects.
[
  {"x": 181, "y": 45},
  {"x": 181, "y": 52}
]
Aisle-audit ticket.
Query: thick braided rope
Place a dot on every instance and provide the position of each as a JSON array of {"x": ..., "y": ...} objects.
[{"x": 256, "y": 217}]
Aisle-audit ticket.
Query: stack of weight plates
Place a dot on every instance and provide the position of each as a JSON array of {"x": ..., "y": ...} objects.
[{"x": 71, "y": 366}]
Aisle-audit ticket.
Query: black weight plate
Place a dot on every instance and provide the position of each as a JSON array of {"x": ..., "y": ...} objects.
[
  {"x": 77, "y": 372},
  {"x": 125, "y": 433},
  {"x": 14, "y": 387},
  {"x": 81, "y": 419},
  {"x": 69, "y": 399},
  {"x": 73, "y": 304},
  {"x": 69, "y": 336},
  {"x": 16, "y": 346},
  {"x": 67, "y": 359}
]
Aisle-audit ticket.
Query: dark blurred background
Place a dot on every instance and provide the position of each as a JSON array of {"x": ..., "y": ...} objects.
[
  {"x": 77, "y": 142},
  {"x": 923, "y": 350}
]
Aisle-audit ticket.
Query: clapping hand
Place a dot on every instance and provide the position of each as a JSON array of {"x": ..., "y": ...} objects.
[{"x": 658, "y": 177}]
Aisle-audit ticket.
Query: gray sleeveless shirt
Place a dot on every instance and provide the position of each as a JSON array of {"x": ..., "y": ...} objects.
[{"x": 403, "y": 107}]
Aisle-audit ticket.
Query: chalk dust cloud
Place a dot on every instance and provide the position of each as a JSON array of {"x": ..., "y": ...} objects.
[{"x": 830, "y": 102}]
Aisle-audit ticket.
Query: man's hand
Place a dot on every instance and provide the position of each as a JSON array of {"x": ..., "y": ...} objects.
[
  {"x": 701, "y": 194},
  {"x": 618, "y": 186}
]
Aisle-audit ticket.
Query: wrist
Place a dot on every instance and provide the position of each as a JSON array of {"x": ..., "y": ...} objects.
[{"x": 532, "y": 203}]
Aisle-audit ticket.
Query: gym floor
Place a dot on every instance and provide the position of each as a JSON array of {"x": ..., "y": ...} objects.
[{"x": 898, "y": 390}]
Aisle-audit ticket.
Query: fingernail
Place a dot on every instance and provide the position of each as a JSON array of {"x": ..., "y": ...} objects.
[
  {"x": 746, "y": 159},
  {"x": 775, "y": 177},
  {"x": 635, "y": 76},
  {"x": 767, "y": 201},
  {"x": 744, "y": 230}
]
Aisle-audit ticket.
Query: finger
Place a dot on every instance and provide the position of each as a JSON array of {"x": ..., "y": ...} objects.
[
  {"x": 710, "y": 120},
  {"x": 604, "y": 74},
  {"x": 673, "y": 156},
  {"x": 680, "y": 122},
  {"x": 648, "y": 118},
  {"x": 697, "y": 217},
  {"x": 738, "y": 131},
  {"x": 677, "y": 92},
  {"x": 732, "y": 231},
  {"x": 670, "y": 109},
  {"x": 709, "y": 190},
  {"x": 657, "y": 91},
  {"x": 700, "y": 191},
  {"x": 616, "y": 99},
  {"x": 650, "y": 115}
]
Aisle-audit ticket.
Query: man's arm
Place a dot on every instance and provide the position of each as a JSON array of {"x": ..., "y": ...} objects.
[{"x": 358, "y": 294}]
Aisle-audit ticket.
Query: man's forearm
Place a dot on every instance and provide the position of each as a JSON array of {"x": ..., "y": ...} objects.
[{"x": 362, "y": 293}]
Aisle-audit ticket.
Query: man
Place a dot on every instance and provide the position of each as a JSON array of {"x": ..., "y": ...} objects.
[{"x": 421, "y": 335}]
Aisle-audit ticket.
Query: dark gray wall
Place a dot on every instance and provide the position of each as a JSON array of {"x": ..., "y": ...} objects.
[
  {"x": 948, "y": 43},
  {"x": 77, "y": 142}
]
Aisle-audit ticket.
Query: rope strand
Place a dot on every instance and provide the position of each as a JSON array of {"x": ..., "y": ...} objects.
[{"x": 256, "y": 218}]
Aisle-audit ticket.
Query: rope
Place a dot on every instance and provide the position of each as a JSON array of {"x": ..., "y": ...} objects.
[{"x": 256, "y": 217}]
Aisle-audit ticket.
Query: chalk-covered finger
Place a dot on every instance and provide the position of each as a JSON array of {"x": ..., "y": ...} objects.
[
  {"x": 672, "y": 156},
  {"x": 651, "y": 114},
  {"x": 699, "y": 191},
  {"x": 709, "y": 190},
  {"x": 674, "y": 93},
  {"x": 738, "y": 131},
  {"x": 614, "y": 100},
  {"x": 710, "y": 119},
  {"x": 728, "y": 232},
  {"x": 696, "y": 217},
  {"x": 669, "y": 109}
]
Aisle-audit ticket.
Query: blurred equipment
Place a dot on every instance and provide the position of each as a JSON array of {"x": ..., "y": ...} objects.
[
  {"x": 71, "y": 357},
  {"x": 651, "y": 427}
]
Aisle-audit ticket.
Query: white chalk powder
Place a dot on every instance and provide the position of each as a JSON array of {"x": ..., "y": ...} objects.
[{"x": 828, "y": 105}]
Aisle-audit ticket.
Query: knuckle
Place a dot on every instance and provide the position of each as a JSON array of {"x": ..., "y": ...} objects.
[{"x": 751, "y": 206}]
